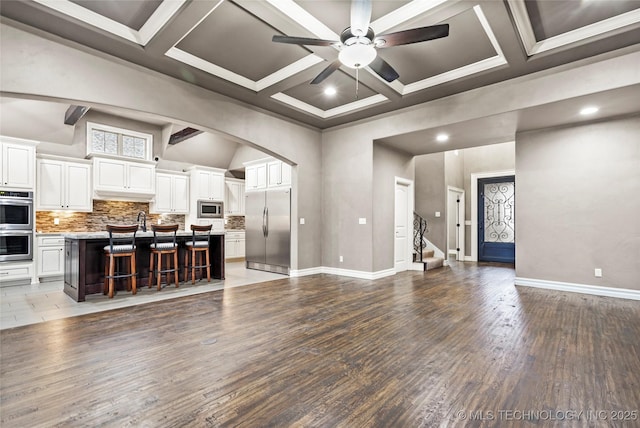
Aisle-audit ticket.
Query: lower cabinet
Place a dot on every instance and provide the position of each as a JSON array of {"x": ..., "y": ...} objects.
[
  {"x": 15, "y": 271},
  {"x": 234, "y": 245},
  {"x": 50, "y": 256}
]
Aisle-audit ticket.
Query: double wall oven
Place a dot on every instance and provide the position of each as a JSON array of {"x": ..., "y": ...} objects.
[{"x": 16, "y": 225}]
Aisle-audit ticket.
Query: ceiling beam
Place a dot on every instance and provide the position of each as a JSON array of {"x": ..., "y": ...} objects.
[
  {"x": 74, "y": 113},
  {"x": 184, "y": 134}
]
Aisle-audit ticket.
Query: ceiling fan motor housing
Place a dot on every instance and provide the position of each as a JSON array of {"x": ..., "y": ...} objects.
[{"x": 357, "y": 52}]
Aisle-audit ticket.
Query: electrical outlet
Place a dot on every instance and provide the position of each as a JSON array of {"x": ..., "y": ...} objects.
[
  {"x": 437, "y": 213},
  {"x": 341, "y": 259},
  {"x": 301, "y": 220},
  {"x": 56, "y": 220},
  {"x": 362, "y": 220},
  {"x": 598, "y": 273}
]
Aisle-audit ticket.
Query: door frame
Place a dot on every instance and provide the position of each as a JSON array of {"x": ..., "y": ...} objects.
[
  {"x": 410, "y": 206},
  {"x": 474, "y": 205},
  {"x": 461, "y": 217}
]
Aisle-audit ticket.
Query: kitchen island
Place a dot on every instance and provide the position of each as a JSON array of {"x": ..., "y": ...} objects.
[{"x": 85, "y": 260}]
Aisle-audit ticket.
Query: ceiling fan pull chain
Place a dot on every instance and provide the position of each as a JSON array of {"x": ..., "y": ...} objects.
[{"x": 357, "y": 83}]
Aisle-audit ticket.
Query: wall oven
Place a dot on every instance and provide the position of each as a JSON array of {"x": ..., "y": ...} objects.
[
  {"x": 16, "y": 225},
  {"x": 16, "y": 210},
  {"x": 16, "y": 245}
]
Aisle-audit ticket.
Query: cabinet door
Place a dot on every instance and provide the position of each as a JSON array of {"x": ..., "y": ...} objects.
[
  {"x": 217, "y": 187},
  {"x": 274, "y": 174},
  {"x": 229, "y": 249},
  {"x": 162, "y": 202},
  {"x": 180, "y": 194},
  {"x": 240, "y": 246},
  {"x": 202, "y": 184},
  {"x": 232, "y": 201},
  {"x": 78, "y": 187},
  {"x": 18, "y": 163},
  {"x": 50, "y": 194},
  {"x": 50, "y": 261},
  {"x": 109, "y": 175},
  {"x": 141, "y": 178},
  {"x": 285, "y": 174},
  {"x": 251, "y": 177}
]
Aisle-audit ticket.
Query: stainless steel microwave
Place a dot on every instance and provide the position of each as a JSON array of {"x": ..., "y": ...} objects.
[{"x": 210, "y": 209}]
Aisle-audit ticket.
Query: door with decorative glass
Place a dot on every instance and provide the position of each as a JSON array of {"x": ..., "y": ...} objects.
[{"x": 496, "y": 219}]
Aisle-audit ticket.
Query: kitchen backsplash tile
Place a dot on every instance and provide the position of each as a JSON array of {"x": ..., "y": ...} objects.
[
  {"x": 235, "y": 222},
  {"x": 104, "y": 212}
]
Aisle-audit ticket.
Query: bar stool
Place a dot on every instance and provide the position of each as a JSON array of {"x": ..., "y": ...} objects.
[
  {"x": 122, "y": 243},
  {"x": 199, "y": 244},
  {"x": 164, "y": 243}
]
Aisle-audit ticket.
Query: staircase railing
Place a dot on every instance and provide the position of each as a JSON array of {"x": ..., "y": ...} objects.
[{"x": 419, "y": 232}]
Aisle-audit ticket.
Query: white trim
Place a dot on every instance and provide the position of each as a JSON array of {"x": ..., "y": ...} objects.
[
  {"x": 404, "y": 13},
  {"x": 343, "y": 272},
  {"x": 461, "y": 213},
  {"x": 597, "y": 290},
  {"x": 533, "y": 46},
  {"x": 346, "y": 108},
  {"x": 299, "y": 15},
  {"x": 410, "y": 207},
  {"x": 474, "y": 206},
  {"x": 305, "y": 272},
  {"x": 156, "y": 21}
]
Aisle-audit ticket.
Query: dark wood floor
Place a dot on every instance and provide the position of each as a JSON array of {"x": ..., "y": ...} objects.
[{"x": 457, "y": 346}]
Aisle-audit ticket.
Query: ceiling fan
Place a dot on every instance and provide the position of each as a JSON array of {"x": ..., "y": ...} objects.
[{"x": 358, "y": 43}]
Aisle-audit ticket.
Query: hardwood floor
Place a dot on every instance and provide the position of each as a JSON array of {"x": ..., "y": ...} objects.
[{"x": 458, "y": 346}]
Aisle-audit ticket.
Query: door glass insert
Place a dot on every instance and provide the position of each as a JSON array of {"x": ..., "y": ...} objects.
[{"x": 499, "y": 212}]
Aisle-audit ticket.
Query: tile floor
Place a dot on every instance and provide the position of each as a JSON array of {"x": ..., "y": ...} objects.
[{"x": 30, "y": 304}]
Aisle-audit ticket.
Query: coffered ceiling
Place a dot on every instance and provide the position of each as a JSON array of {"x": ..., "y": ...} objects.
[{"x": 226, "y": 46}]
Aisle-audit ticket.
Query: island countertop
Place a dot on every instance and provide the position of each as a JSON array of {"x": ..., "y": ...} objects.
[{"x": 85, "y": 260}]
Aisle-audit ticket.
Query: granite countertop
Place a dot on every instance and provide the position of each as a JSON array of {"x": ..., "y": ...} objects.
[{"x": 105, "y": 235}]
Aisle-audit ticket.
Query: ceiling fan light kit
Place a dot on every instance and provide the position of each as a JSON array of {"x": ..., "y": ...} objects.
[{"x": 358, "y": 55}]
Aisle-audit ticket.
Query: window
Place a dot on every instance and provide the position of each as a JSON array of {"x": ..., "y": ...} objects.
[{"x": 108, "y": 140}]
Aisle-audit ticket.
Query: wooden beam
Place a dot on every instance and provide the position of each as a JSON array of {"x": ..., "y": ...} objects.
[
  {"x": 74, "y": 113},
  {"x": 185, "y": 134}
]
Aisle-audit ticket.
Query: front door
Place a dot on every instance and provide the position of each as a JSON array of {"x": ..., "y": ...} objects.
[{"x": 496, "y": 219}]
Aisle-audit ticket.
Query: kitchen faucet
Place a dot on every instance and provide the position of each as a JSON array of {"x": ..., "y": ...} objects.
[{"x": 144, "y": 220}]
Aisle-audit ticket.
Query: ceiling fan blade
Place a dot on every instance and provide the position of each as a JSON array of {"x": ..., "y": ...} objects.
[
  {"x": 326, "y": 72},
  {"x": 383, "y": 69},
  {"x": 360, "y": 17},
  {"x": 414, "y": 35},
  {"x": 303, "y": 41}
]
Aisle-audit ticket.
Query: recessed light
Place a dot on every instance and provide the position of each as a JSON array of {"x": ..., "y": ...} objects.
[
  {"x": 330, "y": 91},
  {"x": 441, "y": 138},
  {"x": 586, "y": 111}
]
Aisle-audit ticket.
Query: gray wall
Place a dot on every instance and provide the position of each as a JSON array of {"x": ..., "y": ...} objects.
[
  {"x": 578, "y": 204},
  {"x": 387, "y": 165},
  {"x": 431, "y": 196},
  {"x": 49, "y": 70}
]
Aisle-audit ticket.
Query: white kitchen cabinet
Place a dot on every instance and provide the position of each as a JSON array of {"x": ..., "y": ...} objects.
[
  {"x": 172, "y": 194},
  {"x": 207, "y": 183},
  {"x": 17, "y": 164},
  {"x": 234, "y": 244},
  {"x": 234, "y": 197},
  {"x": 279, "y": 174},
  {"x": 50, "y": 255},
  {"x": 63, "y": 185},
  {"x": 256, "y": 176},
  {"x": 124, "y": 178},
  {"x": 16, "y": 271}
]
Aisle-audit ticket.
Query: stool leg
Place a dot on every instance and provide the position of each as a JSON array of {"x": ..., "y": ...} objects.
[
  {"x": 105, "y": 287},
  {"x": 193, "y": 265},
  {"x": 129, "y": 271},
  {"x": 134, "y": 272},
  {"x": 151, "y": 257},
  {"x": 159, "y": 276},
  {"x": 175, "y": 267},
  {"x": 208, "y": 266},
  {"x": 112, "y": 266},
  {"x": 186, "y": 264}
]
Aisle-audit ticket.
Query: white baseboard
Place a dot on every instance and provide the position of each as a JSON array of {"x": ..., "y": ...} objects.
[
  {"x": 343, "y": 272},
  {"x": 622, "y": 293}
]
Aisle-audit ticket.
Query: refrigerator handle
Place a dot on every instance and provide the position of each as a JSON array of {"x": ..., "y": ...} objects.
[
  {"x": 264, "y": 222},
  {"x": 267, "y": 222}
]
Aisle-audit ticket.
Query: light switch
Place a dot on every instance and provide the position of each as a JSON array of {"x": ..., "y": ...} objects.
[
  {"x": 437, "y": 213},
  {"x": 301, "y": 220},
  {"x": 362, "y": 220}
]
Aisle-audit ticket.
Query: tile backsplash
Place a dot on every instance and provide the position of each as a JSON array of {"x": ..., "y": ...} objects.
[
  {"x": 235, "y": 222},
  {"x": 104, "y": 212}
]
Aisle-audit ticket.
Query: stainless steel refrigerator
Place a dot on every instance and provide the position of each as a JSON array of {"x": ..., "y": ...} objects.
[{"x": 268, "y": 230}]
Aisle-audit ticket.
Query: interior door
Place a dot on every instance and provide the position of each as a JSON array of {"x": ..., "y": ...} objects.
[
  {"x": 401, "y": 228},
  {"x": 496, "y": 219}
]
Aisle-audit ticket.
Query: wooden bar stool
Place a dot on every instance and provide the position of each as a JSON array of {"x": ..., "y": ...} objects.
[
  {"x": 122, "y": 243},
  {"x": 199, "y": 244},
  {"x": 164, "y": 243}
]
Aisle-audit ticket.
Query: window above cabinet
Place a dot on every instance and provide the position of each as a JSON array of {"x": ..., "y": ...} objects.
[{"x": 124, "y": 143}]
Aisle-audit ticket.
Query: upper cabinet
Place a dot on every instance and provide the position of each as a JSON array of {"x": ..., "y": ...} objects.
[
  {"x": 207, "y": 183},
  {"x": 116, "y": 177},
  {"x": 63, "y": 185},
  {"x": 17, "y": 163},
  {"x": 172, "y": 194},
  {"x": 234, "y": 197},
  {"x": 266, "y": 174}
]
